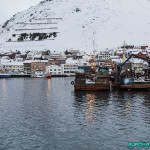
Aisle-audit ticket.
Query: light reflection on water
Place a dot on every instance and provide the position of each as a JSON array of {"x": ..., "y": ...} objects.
[
  {"x": 4, "y": 88},
  {"x": 48, "y": 114},
  {"x": 48, "y": 89}
]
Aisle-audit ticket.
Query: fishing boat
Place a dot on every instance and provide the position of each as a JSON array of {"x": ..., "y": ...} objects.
[
  {"x": 134, "y": 84},
  {"x": 48, "y": 75},
  {"x": 88, "y": 81}
]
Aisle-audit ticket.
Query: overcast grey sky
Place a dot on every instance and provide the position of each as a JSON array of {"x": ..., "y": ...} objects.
[{"x": 8, "y": 8}]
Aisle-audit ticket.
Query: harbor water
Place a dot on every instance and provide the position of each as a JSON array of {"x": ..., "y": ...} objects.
[{"x": 47, "y": 114}]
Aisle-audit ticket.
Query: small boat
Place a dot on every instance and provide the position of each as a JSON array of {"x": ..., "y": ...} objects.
[
  {"x": 48, "y": 75},
  {"x": 5, "y": 75},
  {"x": 38, "y": 74}
]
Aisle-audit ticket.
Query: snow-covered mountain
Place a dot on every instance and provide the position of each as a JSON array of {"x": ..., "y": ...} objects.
[{"x": 65, "y": 24}]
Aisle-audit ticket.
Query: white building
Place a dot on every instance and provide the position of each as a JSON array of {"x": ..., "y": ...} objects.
[
  {"x": 64, "y": 69},
  {"x": 30, "y": 56},
  {"x": 105, "y": 55},
  {"x": 54, "y": 69},
  {"x": 17, "y": 66},
  {"x": 19, "y": 59},
  {"x": 55, "y": 55},
  {"x": 70, "y": 67},
  {"x": 7, "y": 66},
  {"x": 13, "y": 66}
]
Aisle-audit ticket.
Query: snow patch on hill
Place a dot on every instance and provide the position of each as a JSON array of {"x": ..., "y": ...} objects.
[{"x": 78, "y": 23}]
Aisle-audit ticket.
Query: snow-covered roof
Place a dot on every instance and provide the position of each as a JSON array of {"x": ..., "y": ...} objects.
[
  {"x": 117, "y": 60},
  {"x": 114, "y": 57},
  {"x": 39, "y": 60},
  {"x": 135, "y": 52},
  {"x": 71, "y": 61},
  {"x": 5, "y": 57},
  {"x": 119, "y": 52},
  {"x": 28, "y": 61},
  {"x": 136, "y": 60},
  {"x": 13, "y": 63},
  {"x": 55, "y": 53}
]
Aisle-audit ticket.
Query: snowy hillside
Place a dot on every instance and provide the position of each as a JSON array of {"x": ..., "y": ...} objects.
[{"x": 60, "y": 25}]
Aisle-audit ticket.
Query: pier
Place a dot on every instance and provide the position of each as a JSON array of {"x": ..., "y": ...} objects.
[{"x": 20, "y": 75}]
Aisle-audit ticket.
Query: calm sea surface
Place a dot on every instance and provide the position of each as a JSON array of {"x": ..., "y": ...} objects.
[{"x": 42, "y": 114}]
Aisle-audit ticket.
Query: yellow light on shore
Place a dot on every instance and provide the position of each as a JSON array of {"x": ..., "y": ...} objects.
[{"x": 128, "y": 69}]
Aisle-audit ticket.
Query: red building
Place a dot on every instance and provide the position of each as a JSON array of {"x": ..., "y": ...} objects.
[
  {"x": 142, "y": 55},
  {"x": 11, "y": 55},
  {"x": 144, "y": 47}
]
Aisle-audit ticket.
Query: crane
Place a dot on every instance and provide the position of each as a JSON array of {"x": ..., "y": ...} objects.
[{"x": 119, "y": 67}]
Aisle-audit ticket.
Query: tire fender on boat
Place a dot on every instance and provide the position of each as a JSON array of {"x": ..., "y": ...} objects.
[{"x": 72, "y": 82}]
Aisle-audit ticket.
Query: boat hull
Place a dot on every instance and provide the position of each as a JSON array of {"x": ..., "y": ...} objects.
[
  {"x": 5, "y": 75},
  {"x": 48, "y": 76},
  {"x": 135, "y": 86},
  {"x": 91, "y": 87},
  {"x": 131, "y": 84}
]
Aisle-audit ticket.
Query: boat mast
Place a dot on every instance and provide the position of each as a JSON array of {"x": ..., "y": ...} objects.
[
  {"x": 94, "y": 52},
  {"x": 124, "y": 55}
]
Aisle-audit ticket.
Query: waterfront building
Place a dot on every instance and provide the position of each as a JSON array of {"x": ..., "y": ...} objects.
[
  {"x": 70, "y": 67},
  {"x": 54, "y": 69},
  {"x": 13, "y": 66},
  {"x": 27, "y": 66},
  {"x": 17, "y": 67},
  {"x": 39, "y": 65},
  {"x": 6, "y": 66}
]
